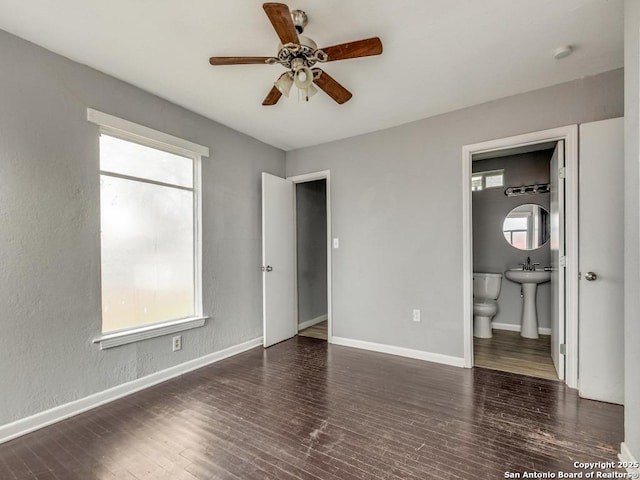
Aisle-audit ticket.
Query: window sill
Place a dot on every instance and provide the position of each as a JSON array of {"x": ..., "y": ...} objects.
[{"x": 132, "y": 335}]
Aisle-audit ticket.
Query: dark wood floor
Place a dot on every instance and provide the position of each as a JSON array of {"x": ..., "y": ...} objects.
[{"x": 304, "y": 409}]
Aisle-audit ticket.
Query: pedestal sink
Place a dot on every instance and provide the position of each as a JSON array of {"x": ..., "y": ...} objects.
[{"x": 529, "y": 280}]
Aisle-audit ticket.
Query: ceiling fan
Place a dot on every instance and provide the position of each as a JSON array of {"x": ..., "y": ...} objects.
[{"x": 299, "y": 55}]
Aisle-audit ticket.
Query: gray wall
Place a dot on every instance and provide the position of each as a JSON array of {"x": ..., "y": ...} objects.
[
  {"x": 311, "y": 220},
  {"x": 491, "y": 252},
  {"x": 397, "y": 208},
  {"x": 631, "y": 224},
  {"x": 49, "y": 240}
]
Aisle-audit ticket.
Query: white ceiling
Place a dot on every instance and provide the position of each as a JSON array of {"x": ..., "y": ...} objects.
[{"x": 439, "y": 55}]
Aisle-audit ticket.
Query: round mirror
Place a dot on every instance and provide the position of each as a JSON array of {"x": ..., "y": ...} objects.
[{"x": 526, "y": 227}]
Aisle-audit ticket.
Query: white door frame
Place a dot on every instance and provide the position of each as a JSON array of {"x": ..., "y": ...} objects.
[
  {"x": 310, "y": 177},
  {"x": 569, "y": 134}
]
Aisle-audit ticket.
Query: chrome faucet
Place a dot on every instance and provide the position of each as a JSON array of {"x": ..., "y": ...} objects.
[{"x": 529, "y": 267}]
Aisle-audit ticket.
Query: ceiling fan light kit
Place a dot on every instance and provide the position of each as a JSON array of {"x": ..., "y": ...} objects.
[
  {"x": 302, "y": 75},
  {"x": 284, "y": 83},
  {"x": 299, "y": 55},
  {"x": 308, "y": 92}
]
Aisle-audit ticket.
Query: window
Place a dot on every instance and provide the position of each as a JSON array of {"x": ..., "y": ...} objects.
[
  {"x": 484, "y": 180},
  {"x": 516, "y": 229},
  {"x": 150, "y": 233}
]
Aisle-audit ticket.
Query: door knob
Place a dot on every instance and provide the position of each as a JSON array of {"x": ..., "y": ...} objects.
[
  {"x": 268, "y": 268},
  {"x": 590, "y": 276}
]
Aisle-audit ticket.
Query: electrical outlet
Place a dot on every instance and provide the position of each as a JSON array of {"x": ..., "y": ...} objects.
[
  {"x": 177, "y": 343},
  {"x": 416, "y": 315}
]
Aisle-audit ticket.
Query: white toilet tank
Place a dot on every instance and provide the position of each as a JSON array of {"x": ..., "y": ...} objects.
[{"x": 487, "y": 285}]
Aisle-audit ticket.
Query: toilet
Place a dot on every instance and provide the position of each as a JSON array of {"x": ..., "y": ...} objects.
[{"x": 486, "y": 288}]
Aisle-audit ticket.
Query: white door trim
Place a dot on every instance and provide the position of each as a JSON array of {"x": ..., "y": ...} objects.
[
  {"x": 310, "y": 177},
  {"x": 569, "y": 134}
]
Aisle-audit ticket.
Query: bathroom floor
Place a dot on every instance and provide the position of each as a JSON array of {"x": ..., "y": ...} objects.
[
  {"x": 509, "y": 352},
  {"x": 319, "y": 330}
]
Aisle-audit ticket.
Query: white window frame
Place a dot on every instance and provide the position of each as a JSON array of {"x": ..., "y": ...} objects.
[
  {"x": 527, "y": 231},
  {"x": 484, "y": 175},
  {"x": 126, "y": 130}
]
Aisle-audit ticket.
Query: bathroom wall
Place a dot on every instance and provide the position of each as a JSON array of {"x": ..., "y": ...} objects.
[
  {"x": 50, "y": 235},
  {"x": 396, "y": 201},
  {"x": 632, "y": 228},
  {"x": 491, "y": 252},
  {"x": 311, "y": 220}
]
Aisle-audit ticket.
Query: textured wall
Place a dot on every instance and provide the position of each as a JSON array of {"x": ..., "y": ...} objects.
[
  {"x": 396, "y": 201},
  {"x": 631, "y": 226},
  {"x": 311, "y": 224},
  {"x": 491, "y": 253},
  {"x": 49, "y": 240}
]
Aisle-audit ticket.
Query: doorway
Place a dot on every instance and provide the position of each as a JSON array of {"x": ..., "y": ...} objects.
[
  {"x": 311, "y": 258},
  {"x": 312, "y": 282},
  {"x": 564, "y": 290},
  {"x": 512, "y": 197}
]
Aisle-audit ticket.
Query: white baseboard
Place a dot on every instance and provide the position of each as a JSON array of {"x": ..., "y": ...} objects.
[
  {"x": 626, "y": 456},
  {"x": 312, "y": 322},
  {"x": 516, "y": 328},
  {"x": 401, "y": 351},
  {"x": 26, "y": 425}
]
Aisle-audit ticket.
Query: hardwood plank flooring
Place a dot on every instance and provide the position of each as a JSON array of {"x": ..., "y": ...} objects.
[
  {"x": 319, "y": 330},
  {"x": 304, "y": 409},
  {"x": 509, "y": 352}
]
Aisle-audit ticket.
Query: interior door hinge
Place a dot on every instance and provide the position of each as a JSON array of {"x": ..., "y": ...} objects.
[
  {"x": 563, "y": 261},
  {"x": 563, "y": 349},
  {"x": 562, "y": 172}
]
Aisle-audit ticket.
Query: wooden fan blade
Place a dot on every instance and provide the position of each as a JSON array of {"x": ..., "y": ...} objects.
[
  {"x": 280, "y": 18},
  {"x": 272, "y": 97},
  {"x": 359, "y": 48},
  {"x": 331, "y": 87},
  {"x": 237, "y": 60}
]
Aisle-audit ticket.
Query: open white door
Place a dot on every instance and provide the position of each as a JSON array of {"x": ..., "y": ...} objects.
[
  {"x": 277, "y": 260},
  {"x": 601, "y": 327},
  {"x": 557, "y": 260}
]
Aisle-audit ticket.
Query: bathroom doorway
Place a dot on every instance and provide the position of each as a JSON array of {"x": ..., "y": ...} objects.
[
  {"x": 508, "y": 216},
  {"x": 511, "y": 203},
  {"x": 312, "y": 271}
]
